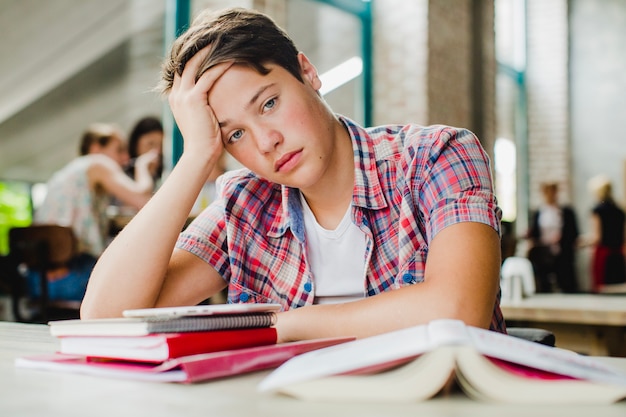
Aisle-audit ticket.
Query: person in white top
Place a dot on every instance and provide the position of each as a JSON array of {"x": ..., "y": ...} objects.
[
  {"x": 78, "y": 195},
  {"x": 553, "y": 235}
]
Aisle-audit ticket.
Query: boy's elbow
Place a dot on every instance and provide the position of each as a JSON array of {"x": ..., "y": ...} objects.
[
  {"x": 93, "y": 308},
  {"x": 88, "y": 310}
]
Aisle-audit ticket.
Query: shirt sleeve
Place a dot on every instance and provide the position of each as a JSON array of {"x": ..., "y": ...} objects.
[
  {"x": 456, "y": 183},
  {"x": 205, "y": 237}
]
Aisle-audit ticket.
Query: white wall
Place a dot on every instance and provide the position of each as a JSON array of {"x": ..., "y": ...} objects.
[
  {"x": 66, "y": 64},
  {"x": 598, "y": 101},
  {"x": 598, "y": 86}
]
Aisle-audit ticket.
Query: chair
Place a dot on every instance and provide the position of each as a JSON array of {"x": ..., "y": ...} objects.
[
  {"x": 517, "y": 278},
  {"x": 542, "y": 336},
  {"x": 41, "y": 248}
]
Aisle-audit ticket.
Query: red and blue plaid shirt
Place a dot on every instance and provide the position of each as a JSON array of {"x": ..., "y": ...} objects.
[{"x": 410, "y": 183}]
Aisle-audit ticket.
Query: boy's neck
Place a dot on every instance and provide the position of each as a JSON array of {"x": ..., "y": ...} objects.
[{"x": 330, "y": 199}]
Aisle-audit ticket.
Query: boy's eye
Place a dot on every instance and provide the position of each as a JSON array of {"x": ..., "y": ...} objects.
[
  {"x": 269, "y": 104},
  {"x": 235, "y": 136}
]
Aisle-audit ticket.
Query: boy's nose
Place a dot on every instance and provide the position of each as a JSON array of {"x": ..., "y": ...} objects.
[{"x": 268, "y": 140}]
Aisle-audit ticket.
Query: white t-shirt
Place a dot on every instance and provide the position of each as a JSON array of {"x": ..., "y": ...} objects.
[
  {"x": 336, "y": 257},
  {"x": 551, "y": 224}
]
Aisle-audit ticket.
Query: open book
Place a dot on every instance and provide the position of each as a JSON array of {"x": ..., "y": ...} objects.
[{"x": 416, "y": 363}]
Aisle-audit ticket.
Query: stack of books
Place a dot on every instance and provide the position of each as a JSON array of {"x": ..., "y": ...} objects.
[{"x": 177, "y": 344}]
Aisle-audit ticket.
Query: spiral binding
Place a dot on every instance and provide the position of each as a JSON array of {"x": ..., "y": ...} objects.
[{"x": 207, "y": 323}]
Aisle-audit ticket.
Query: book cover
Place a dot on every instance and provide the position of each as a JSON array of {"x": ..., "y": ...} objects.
[
  {"x": 164, "y": 346},
  {"x": 419, "y": 362},
  {"x": 139, "y": 326},
  {"x": 187, "y": 369}
]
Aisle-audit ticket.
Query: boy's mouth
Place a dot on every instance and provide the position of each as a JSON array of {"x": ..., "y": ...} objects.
[{"x": 287, "y": 161}]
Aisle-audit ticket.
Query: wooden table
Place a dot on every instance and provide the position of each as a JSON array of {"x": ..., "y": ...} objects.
[
  {"x": 593, "y": 324},
  {"x": 26, "y": 392}
]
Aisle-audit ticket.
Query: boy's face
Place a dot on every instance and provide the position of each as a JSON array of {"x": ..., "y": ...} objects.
[{"x": 273, "y": 124}]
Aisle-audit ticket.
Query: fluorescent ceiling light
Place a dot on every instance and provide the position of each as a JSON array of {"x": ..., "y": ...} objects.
[{"x": 341, "y": 74}]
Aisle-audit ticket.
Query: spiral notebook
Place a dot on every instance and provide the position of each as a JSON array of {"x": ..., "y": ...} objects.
[{"x": 150, "y": 321}]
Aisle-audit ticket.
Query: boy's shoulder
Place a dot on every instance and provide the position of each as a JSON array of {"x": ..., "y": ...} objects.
[
  {"x": 413, "y": 132},
  {"x": 388, "y": 141}
]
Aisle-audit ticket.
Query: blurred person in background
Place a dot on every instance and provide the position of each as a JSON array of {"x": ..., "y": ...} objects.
[
  {"x": 553, "y": 238},
  {"x": 607, "y": 236},
  {"x": 78, "y": 196},
  {"x": 145, "y": 136}
]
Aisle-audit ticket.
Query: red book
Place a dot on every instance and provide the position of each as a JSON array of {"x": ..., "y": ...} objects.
[
  {"x": 163, "y": 346},
  {"x": 187, "y": 369}
]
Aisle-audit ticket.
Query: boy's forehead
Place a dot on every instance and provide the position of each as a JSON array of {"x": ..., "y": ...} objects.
[
  {"x": 240, "y": 87},
  {"x": 245, "y": 77}
]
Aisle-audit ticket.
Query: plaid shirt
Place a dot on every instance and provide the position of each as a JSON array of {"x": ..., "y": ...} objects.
[{"x": 410, "y": 183}]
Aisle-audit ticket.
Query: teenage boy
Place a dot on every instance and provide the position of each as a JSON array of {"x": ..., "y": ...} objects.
[{"x": 353, "y": 231}]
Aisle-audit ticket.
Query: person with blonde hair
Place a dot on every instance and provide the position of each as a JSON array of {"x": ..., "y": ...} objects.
[{"x": 608, "y": 221}]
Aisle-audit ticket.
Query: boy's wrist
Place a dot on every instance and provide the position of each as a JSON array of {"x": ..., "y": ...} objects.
[
  {"x": 289, "y": 325},
  {"x": 203, "y": 162}
]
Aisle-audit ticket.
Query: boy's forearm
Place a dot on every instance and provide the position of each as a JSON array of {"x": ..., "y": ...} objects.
[
  {"x": 389, "y": 311},
  {"x": 130, "y": 272}
]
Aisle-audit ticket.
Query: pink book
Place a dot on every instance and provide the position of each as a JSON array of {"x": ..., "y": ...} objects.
[{"x": 186, "y": 369}]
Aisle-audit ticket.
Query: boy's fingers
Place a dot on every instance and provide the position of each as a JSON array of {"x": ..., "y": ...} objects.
[
  {"x": 188, "y": 77},
  {"x": 206, "y": 81}
]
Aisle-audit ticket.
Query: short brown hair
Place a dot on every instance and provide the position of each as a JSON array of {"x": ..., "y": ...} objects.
[
  {"x": 100, "y": 133},
  {"x": 244, "y": 36}
]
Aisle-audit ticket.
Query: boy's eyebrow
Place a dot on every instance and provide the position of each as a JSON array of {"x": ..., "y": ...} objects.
[
  {"x": 254, "y": 98},
  {"x": 258, "y": 93}
]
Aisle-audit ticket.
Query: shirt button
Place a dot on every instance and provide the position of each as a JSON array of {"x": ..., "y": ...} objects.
[
  {"x": 308, "y": 287},
  {"x": 244, "y": 297},
  {"x": 407, "y": 278}
]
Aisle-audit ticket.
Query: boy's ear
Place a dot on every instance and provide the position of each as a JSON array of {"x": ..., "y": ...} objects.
[{"x": 309, "y": 72}]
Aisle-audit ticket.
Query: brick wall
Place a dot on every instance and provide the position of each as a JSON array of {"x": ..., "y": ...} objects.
[
  {"x": 548, "y": 97},
  {"x": 435, "y": 63},
  {"x": 450, "y": 62},
  {"x": 400, "y": 61}
]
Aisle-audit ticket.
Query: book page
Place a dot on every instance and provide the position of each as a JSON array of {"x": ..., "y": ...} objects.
[
  {"x": 535, "y": 355},
  {"x": 448, "y": 332},
  {"x": 484, "y": 379},
  {"x": 351, "y": 357},
  {"x": 420, "y": 379},
  {"x": 60, "y": 362}
]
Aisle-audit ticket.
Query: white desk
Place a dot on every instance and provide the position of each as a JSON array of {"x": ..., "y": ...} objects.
[
  {"x": 594, "y": 324},
  {"x": 34, "y": 393}
]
